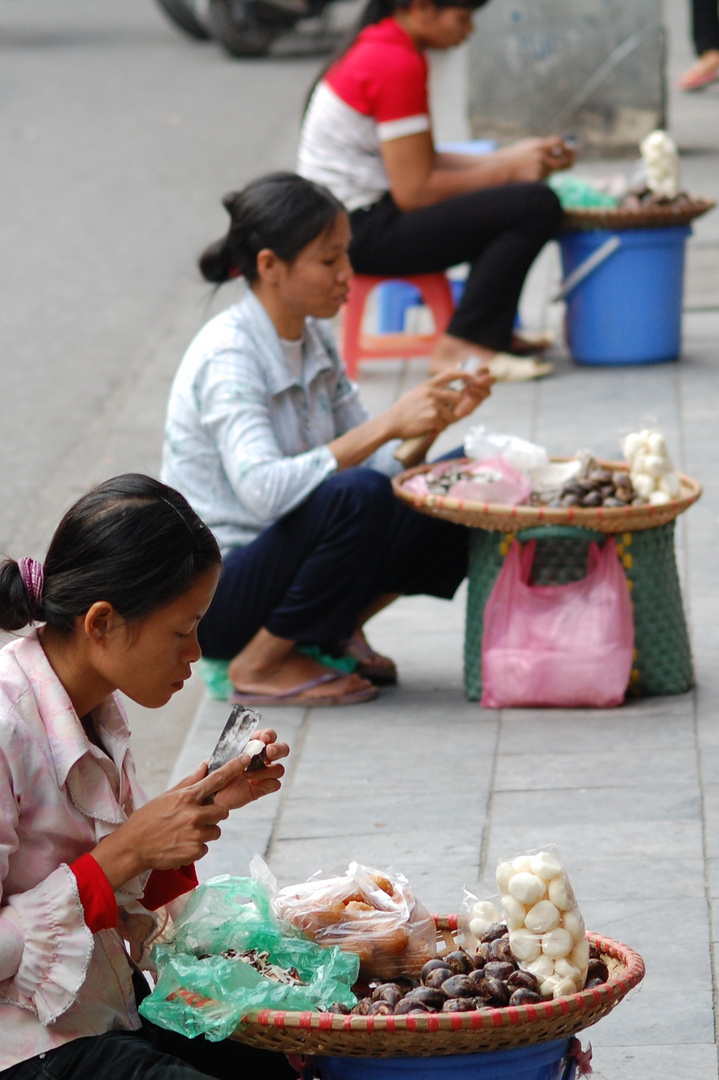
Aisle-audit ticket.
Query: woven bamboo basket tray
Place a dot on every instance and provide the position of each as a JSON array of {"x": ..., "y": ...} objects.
[
  {"x": 439, "y": 1034},
  {"x": 646, "y": 217},
  {"x": 496, "y": 517}
]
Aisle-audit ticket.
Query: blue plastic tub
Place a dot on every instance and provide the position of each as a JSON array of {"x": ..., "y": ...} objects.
[
  {"x": 628, "y": 310},
  {"x": 544, "y": 1061}
]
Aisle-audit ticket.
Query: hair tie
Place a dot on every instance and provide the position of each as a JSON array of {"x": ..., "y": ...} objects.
[
  {"x": 233, "y": 272},
  {"x": 33, "y": 578}
]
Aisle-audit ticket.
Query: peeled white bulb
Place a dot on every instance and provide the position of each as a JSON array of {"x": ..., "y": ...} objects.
[
  {"x": 574, "y": 923},
  {"x": 505, "y": 871},
  {"x": 579, "y": 955},
  {"x": 659, "y": 498},
  {"x": 657, "y": 444},
  {"x": 525, "y": 945},
  {"x": 542, "y": 917},
  {"x": 671, "y": 483},
  {"x": 560, "y": 893},
  {"x": 655, "y": 466},
  {"x": 514, "y": 912},
  {"x": 557, "y": 943},
  {"x": 549, "y": 985},
  {"x": 522, "y": 864},
  {"x": 545, "y": 865},
  {"x": 631, "y": 445},
  {"x": 566, "y": 970},
  {"x": 643, "y": 484},
  {"x": 563, "y": 987},
  {"x": 542, "y": 968},
  {"x": 527, "y": 888}
]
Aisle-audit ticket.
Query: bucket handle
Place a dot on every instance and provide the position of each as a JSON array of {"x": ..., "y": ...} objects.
[{"x": 598, "y": 256}]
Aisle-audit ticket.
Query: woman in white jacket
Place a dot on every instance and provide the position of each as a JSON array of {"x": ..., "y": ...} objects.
[{"x": 268, "y": 441}]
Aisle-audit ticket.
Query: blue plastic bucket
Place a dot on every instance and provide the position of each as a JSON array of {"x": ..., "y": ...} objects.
[
  {"x": 628, "y": 309},
  {"x": 544, "y": 1061}
]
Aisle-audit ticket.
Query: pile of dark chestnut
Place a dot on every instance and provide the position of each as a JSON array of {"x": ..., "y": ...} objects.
[
  {"x": 600, "y": 487},
  {"x": 461, "y": 982}
]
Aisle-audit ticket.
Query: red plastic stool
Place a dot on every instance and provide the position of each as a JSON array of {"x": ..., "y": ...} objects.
[{"x": 436, "y": 294}]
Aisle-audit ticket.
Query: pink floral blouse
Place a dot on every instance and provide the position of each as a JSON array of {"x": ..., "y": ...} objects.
[{"x": 59, "y": 795}]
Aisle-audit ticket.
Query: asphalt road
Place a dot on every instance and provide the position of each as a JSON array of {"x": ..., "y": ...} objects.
[{"x": 119, "y": 136}]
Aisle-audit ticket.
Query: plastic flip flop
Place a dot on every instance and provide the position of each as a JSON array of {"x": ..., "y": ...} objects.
[
  {"x": 297, "y": 695},
  {"x": 507, "y": 368}
]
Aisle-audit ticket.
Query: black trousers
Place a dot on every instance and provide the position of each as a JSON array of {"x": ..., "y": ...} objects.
[
  {"x": 705, "y": 25},
  {"x": 307, "y": 577},
  {"x": 498, "y": 230}
]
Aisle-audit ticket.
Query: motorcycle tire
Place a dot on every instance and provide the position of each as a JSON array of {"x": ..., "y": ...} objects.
[
  {"x": 182, "y": 14},
  {"x": 239, "y": 31}
]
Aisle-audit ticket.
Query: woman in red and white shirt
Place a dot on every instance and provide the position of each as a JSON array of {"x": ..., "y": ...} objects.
[{"x": 367, "y": 136}]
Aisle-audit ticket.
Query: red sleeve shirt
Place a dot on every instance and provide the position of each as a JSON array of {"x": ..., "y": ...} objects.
[
  {"x": 384, "y": 76},
  {"x": 98, "y": 899}
]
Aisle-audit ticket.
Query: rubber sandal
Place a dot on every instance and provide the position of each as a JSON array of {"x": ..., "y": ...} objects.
[
  {"x": 526, "y": 342},
  {"x": 297, "y": 695},
  {"x": 370, "y": 664},
  {"x": 507, "y": 368}
]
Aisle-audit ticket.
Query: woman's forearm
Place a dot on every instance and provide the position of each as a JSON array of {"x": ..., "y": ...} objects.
[{"x": 356, "y": 445}]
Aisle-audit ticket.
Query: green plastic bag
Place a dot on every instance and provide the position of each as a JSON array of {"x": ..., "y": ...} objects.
[
  {"x": 577, "y": 194},
  {"x": 209, "y": 996}
]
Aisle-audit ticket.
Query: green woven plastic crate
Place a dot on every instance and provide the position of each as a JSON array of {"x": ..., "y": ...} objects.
[{"x": 663, "y": 661}]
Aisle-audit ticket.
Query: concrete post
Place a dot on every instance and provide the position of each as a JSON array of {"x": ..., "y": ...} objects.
[{"x": 594, "y": 68}]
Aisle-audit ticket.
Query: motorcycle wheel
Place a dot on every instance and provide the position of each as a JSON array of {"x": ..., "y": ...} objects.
[
  {"x": 182, "y": 14},
  {"x": 235, "y": 26}
]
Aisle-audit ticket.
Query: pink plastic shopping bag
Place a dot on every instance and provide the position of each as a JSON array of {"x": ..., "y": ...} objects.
[{"x": 562, "y": 645}]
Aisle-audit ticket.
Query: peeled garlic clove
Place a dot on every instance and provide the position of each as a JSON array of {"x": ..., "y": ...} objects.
[
  {"x": 563, "y": 987},
  {"x": 525, "y": 945},
  {"x": 505, "y": 871},
  {"x": 566, "y": 970},
  {"x": 659, "y": 498},
  {"x": 514, "y": 912},
  {"x": 545, "y": 865},
  {"x": 542, "y": 968},
  {"x": 671, "y": 483},
  {"x": 639, "y": 464},
  {"x": 579, "y": 955},
  {"x": 548, "y": 986},
  {"x": 560, "y": 893},
  {"x": 557, "y": 943},
  {"x": 527, "y": 888},
  {"x": 631, "y": 444},
  {"x": 642, "y": 484},
  {"x": 485, "y": 909},
  {"x": 656, "y": 444},
  {"x": 655, "y": 466},
  {"x": 521, "y": 865},
  {"x": 542, "y": 917},
  {"x": 574, "y": 923}
]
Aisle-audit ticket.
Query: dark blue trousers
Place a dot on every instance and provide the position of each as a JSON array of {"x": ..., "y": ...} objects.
[{"x": 307, "y": 577}]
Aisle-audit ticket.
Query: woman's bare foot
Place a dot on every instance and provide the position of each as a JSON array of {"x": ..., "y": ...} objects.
[
  {"x": 450, "y": 352},
  {"x": 270, "y": 666},
  {"x": 381, "y": 670},
  {"x": 704, "y": 72}
]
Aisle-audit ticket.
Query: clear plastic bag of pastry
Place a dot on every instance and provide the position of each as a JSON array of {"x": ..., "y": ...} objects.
[
  {"x": 546, "y": 930},
  {"x": 370, "y": 912}
]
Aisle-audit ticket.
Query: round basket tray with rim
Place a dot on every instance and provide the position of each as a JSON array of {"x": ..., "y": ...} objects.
[
  {"x": 657, "y": 216},
  {"x": 496, "y": 517},
  {"x": 439, "y": 1034}
]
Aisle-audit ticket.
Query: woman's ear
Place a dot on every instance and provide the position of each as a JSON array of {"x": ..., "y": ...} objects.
[
  {"x": 100, "y": 619},
  {"x": 268, "y": 266}
]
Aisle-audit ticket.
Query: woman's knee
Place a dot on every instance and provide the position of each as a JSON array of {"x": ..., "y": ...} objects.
[
  {"x": 541, "y": 207},
  {"x": 358, "y": 489}
]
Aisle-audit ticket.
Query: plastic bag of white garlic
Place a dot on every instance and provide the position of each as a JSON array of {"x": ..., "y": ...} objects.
[
  {"x": 651, "y": 468},
  {"x": 546, "y": 933}
]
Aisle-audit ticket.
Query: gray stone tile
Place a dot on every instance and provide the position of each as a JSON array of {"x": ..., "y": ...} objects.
[
  {"x": 631, "y": 769},
  {"x": 542, "y": 812},
  {"x": 679, "y": 1061},
  {"x": 638, "y": 726},
  {"x": 384, "y": 813},
  {"x": 657, "y": 1019}
]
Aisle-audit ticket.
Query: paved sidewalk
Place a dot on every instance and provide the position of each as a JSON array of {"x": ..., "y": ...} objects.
[{"x": 435, "y": 786}]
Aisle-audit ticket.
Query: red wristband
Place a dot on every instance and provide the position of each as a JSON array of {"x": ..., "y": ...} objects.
[{"x": 96, "y": 895}]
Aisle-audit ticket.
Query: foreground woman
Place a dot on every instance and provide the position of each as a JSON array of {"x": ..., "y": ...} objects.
[
  {"x": 367, "y": 135},
  {"x": 268, "y": 441},
  {"x": 85, "y": 860}
]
